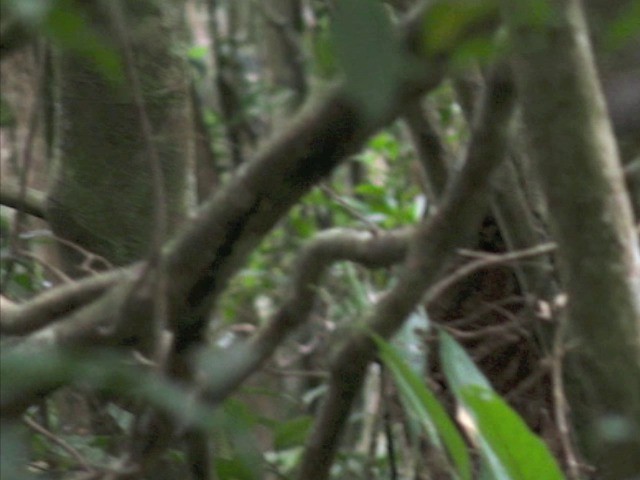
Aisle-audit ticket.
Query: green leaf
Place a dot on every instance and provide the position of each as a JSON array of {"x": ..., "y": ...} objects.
[
  {"x": 625, "y": 27},
  {"x": 446, "y": 24},
  {"x": 371, "y": 190},
  {"x": 426, "y": 407},
  {"x": 24, "y": 280},
  {"x": 67, "y": 27},
  {"x": 285, "y": 460},
  {"x": 292, "y": 433},
  {"x": 232, "y": 469},
  {"x": 369, "y": 54},
  {"x": 198, "y": 52},
  {"x": 322, "y": 50},
  {"x": 459, "y": 368},
  {"x": 241, "y": 414},
  {"x": 510, "y": 449},
  {"x": 63, "y": 22},
  {"x": 387, "y": 144},
  {"x": 303, "y": 225}
]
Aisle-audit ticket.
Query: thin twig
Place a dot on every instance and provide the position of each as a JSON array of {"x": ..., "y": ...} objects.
[
  {"x": 297, "y": 373},
  {"x": 484, "y": 309},
  {"x": 490, "y": 331},
  {"x": 560, "y": 401},
  {"x": 487, "y": 260},
  {"x": 55, "y": 271},
  {"x": 52, "y": 304},
  {"x": 348, "y": 208},
  {"x": 92, "y": 263},
  {"x": 387, "y": 425},
  {"x": 33, "y": 425}
]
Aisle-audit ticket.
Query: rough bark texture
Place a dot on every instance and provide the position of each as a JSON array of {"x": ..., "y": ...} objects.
[
  {"x": 577, "y": 161},
  {"x": 101, "y": 195}
]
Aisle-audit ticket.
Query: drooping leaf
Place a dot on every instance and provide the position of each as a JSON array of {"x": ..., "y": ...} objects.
[
  {"x": 509, "y": 448},
  {"x": 427, "y": 408}
]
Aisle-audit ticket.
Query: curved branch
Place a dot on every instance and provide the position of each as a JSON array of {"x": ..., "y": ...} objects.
[
  {"x": 432, "y": 246},
  {"x": 212, "y": 248},
  {"x": 235, "y": 220},
  {"x": 373, "y": 250},
  {"x": 50, "y": 306}
]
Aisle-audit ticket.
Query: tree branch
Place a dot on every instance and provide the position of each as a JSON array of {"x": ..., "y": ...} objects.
[
  {"x": 432, "y": 245},
  {"x": 381, "y": 249},
  {"x": 212, "y": 248},
  {"x": 238, "y": 217},
  {"x": 22, "y": 319},
  {"x": 33, "y": 202}
]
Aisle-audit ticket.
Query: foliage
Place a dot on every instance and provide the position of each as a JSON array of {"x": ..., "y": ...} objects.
[
  {"x": 510, "y": 451},
  {"x": 64, "y": 23},
  {"x": 264, "y": 427}
]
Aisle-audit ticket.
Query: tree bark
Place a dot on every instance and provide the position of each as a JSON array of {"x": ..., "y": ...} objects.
[
  {"x": 576, "y": 158},
  {"x": 101, "y": 194}
]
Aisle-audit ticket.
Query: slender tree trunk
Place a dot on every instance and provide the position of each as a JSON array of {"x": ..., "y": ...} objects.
[
  {"x": 282, "y": 23},
  {"x": 576, "y": 158}
]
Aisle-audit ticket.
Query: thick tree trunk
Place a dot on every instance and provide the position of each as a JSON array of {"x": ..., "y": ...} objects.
[
  {"x": 101, "y": 195},
  {"x": 590, "y": 214},
  {"x": 111, "y": 136}
]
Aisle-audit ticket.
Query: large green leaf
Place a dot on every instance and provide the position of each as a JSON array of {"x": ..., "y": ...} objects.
[
  {"x": 509, "y": 448},
  {"x": 292, "y": 433},
  {"x": 448, "y": 23},
  {"x": 426, "y": 407},
  {"x": 368, "y": 53}
]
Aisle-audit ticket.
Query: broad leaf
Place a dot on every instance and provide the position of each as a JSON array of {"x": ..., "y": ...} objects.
[
  {"x": 510, "y": 449},
  {"x": 368, "y": 52},
  {"x": 292, "y": 433},
  {"x": 427, "y": 408}
]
